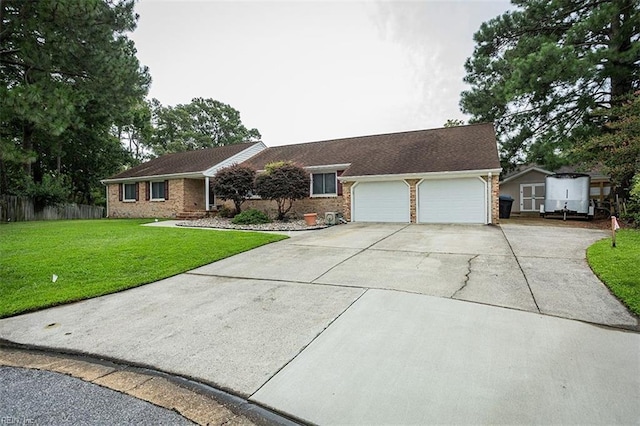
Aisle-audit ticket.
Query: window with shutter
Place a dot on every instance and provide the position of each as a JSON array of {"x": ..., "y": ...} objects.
[
  {"x": 157, "y": 191},
  {"x": 130, "y": 192}
]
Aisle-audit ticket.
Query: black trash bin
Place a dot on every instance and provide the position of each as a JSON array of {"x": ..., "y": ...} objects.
[{"x": 505, "y": 206}]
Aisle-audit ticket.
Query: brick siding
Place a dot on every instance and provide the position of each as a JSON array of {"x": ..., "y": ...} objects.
[
  {"x": 495, "y": 194},
  {"x": 184, "y": 195},
  {"x": 320, "y": 205},
  {"x": 346, "y": 194},
  {"x": 413, "y": 205}
]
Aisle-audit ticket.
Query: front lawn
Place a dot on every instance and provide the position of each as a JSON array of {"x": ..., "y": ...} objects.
[
  {"x": 619, "y": 267},
  {"x": 96, "y": 257}
]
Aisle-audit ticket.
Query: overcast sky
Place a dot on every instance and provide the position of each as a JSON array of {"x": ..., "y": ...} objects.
[{"x": 305, "y": 71}]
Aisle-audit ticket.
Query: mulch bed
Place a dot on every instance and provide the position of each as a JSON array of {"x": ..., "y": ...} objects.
[{"x": 222, "y": 223}]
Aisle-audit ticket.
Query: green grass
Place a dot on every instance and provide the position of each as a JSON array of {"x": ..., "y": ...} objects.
[
  {"x": 96, "y": 257},
  {"x": 619, "y": 267}
]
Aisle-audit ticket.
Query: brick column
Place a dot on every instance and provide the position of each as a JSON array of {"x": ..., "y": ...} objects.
[
  {"x": 413, "y": 205},
  {"x": 495, "y": 197},
  {"x": 346, "y": 200}
]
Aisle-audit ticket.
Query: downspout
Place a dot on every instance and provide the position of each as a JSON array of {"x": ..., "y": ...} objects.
[
  {"x": 206, "y": 193},
  {"x": 418, "y": 200},
  {"x": 352, "y": 202},
  {"x": 489, "y": 199},
  {"x": 106, "y": 188}
]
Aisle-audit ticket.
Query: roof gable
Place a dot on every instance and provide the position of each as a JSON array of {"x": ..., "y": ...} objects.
[
  {"x": 196, "y": 162},
  {"x": 523, "y": 171},
  {"x": 471, "y": 147},
  {"x": 595, "y": 174}
]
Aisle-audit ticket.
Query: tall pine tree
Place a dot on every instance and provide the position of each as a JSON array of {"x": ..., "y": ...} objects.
[
  {"x": 68, "y": 72},
  {"x": 541, "y": 70}
]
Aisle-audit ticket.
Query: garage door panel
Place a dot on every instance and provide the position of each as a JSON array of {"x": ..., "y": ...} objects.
[
  {"x": 381, "y": 202},
  {"x": 452, "y": 201}
]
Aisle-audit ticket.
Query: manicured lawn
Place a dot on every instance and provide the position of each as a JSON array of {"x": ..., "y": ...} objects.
[
  {"x": 619, "y": 267},
  {"x": 96, "y": 257}
]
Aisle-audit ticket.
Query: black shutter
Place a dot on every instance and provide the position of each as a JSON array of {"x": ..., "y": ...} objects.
[
  {"x": 120, "y": 187},
  {"x": 166, "y": 189},
  {"x": 137, "y": 191},
  {"x": 147, "y": 190}
]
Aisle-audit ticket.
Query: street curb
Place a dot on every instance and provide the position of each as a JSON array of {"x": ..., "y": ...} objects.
[{"x": 197, "y": 402}]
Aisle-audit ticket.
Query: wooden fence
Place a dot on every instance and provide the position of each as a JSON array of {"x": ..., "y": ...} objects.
[{"x": 21, "y": 209}]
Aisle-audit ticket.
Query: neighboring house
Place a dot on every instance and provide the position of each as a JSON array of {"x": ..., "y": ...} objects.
[
  {"x": 173, "y": 185},
  {"x": 447, "y": 175},
  {"x": 526, "y": 185}
]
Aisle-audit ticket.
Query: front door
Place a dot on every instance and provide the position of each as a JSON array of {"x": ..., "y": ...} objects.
[{"x": 531, "y": 197}]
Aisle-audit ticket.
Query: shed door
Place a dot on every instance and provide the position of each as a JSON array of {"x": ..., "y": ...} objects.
[
  {"x": 531, "y": 196},
  {"x": 380, "y": 202},
  {"x": 452, "y": 201}
]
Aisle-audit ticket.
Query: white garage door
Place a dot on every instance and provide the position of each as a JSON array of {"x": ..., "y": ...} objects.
[
  {"x": 452, "y": 201},
  {"x": 381, "y": 202}
]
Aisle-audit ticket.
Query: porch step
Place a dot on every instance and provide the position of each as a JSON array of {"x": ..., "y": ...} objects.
[{"x": 192, "y": 215}]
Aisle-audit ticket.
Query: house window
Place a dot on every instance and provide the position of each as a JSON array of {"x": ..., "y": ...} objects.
[
  {"x": 323, "y": 184},
  {"x": 157, "y": 190},
  {"x": 129, "y": 192}
]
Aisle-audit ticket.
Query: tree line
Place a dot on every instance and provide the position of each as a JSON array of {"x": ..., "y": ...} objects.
[{"x": 73, "y": 106}]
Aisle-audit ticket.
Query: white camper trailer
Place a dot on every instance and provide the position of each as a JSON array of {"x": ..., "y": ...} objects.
[{"x": 567, "y": 194}]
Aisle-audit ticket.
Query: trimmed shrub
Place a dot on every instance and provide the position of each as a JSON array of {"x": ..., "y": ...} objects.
[
  {"x": 251, "y": 217},
  {"x": 226, "y": 212}
]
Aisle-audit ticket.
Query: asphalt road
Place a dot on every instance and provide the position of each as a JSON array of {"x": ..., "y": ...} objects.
[{"x": 36, "y": 397}]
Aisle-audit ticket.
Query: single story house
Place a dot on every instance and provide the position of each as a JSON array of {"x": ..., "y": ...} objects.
[
  {"x": 446, "y": 175},
  {"x": 173, "y": 185},
  {"x": 526, "y": 185}
]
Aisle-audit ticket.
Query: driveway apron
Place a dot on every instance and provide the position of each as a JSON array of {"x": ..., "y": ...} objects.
[
  {"x": 554, "y": 262},
  {"x": 396, "y": 358}
]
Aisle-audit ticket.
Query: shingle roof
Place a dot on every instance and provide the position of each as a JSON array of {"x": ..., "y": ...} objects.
[
  {"x": 184, "y": 162},
  {"x": 471, "y": 147},
  {"x": 595, "y": 173}
]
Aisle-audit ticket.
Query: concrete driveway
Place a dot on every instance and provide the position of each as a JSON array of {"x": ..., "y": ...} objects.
[
  {"x": 530, "y": 268},
  {"x": 342, "y": 326}
]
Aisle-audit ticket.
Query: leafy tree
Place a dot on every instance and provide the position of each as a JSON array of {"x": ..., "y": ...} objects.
[
  {"x": 234, "y": 183},
  {"x": 68, "y": 73},
  {"x": 284, "y": 183},
  {"x": 203, "y": 123},
  {"x": 617, "y": 148},
  {"x": 51, "y": 191},
  {"x": 633, "y": 209},
  {"x": 541, "y": 70},
  {"x": 135, "y": 131},
  {"x": 454, "y": 122}
]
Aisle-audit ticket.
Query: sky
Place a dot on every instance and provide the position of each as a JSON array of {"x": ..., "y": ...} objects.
[{"x": 302, "y": 71}]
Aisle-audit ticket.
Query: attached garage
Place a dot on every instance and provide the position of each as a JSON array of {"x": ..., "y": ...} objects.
[
  {"x": 462, "y": 200},
  {"x": 386, "y": 201}
]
